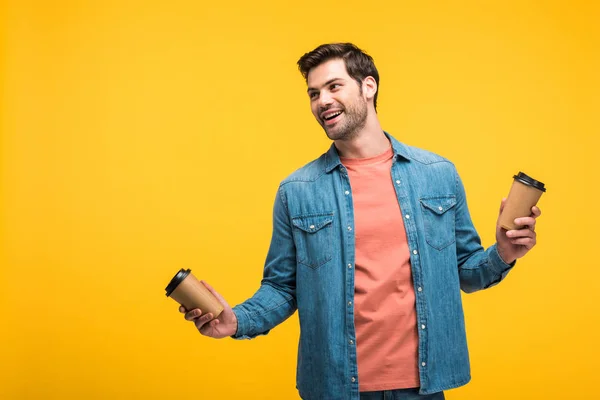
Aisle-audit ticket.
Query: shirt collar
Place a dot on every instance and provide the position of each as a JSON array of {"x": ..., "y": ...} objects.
[{"x": 332, "y": 159}]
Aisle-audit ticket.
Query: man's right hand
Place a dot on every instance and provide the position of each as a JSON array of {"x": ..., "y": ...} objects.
[{"x": 225, "y": 325}]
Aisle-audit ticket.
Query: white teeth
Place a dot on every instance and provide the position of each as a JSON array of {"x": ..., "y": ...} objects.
[{"x": 330, "y": 116}]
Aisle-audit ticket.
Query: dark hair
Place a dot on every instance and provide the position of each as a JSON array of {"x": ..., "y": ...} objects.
[{"x": 359, "y": 64}]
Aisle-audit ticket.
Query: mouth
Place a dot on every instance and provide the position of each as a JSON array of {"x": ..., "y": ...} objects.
[{"x": 331, "y": 117}]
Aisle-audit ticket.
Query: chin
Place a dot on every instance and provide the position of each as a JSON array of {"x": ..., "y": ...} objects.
[
  {"x": 333, "y": 135},
  {"x": 337, "y": 137}
]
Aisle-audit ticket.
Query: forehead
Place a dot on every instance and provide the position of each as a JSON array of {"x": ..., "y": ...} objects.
[{"x": 327, "y": 71}]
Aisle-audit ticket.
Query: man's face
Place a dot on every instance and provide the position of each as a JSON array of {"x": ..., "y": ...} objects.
[{"x": 336, "y": 100}]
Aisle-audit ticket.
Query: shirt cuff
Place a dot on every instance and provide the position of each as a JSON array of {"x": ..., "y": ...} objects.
[
  {"x": 498, "y": 265},
  {"x": 243, "y": 323}
]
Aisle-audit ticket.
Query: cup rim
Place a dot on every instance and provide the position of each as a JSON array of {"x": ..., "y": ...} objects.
[
  {"x": 529, "y": 181},
  {"x": 177, "y": 279}
]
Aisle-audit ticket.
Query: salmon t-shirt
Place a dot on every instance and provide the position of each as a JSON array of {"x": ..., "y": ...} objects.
[{"x": 384, "y": 303}]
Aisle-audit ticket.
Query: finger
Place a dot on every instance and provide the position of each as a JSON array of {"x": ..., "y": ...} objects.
[
  {"x": 525, "y": 221},
  {"x": 203, "y": 320},
  {"x": 502, "y": 205},
  {"x": 521, "y": 233},
  {"x": 211, "y": 325},
  {"x": 182, "y": 309},
  {"x": 527, "y": 242},
  {"x": 536, "y": 211},
  {"x": 192, "y": 315},
  {"x": 215, "y": 293}
]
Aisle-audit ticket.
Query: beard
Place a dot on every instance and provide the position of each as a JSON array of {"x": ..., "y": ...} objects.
[{"x": 354, "y": 119}]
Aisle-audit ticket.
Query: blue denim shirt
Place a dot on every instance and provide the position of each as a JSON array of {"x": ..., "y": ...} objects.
[{"x": 310, "y": 267}]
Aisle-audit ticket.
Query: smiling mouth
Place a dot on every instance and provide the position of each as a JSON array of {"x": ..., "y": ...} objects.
[{"x": 331, "y": 118}]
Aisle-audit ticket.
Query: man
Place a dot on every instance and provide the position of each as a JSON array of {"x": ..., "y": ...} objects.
[{"x": 372, "y": 243}]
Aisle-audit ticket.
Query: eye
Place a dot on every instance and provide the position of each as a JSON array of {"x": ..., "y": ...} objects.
[
  {"x": 313, "y": 95},
  {"x": 335, "y": 86}
]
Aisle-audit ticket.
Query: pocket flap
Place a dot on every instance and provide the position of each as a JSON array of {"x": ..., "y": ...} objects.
[
  {"x": 312, "y": 223},
  {"x": 439, "y": 205}
]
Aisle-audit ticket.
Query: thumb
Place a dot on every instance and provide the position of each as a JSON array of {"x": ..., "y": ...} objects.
[{"x": 502, "y": 206}]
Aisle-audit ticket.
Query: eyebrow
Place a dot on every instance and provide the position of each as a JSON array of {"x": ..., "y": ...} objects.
[{"x": 325, "y": 84}]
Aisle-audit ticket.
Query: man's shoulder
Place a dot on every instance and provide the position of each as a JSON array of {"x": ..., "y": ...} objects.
[
  {"x": 423, "y": 156},
  {"x": 309, "y": 172}
]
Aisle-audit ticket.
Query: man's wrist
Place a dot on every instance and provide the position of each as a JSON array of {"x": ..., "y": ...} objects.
[{"x": 503, "y": 256}]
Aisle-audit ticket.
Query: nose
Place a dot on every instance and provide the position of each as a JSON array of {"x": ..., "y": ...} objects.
[{"x": 325, "y": 100}]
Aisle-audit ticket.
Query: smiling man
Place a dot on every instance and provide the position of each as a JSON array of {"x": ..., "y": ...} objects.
[{"x": 372, "y": 243}]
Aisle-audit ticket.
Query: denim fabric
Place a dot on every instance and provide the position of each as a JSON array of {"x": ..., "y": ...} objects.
[
  {"x": 401, "y": 394},
  {"x": 310, "y": 267}
]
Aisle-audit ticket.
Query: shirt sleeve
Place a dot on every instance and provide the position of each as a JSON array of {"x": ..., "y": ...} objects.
[
  {"x": 275, "y": 300},
  {"x": 478, "y": 268}
]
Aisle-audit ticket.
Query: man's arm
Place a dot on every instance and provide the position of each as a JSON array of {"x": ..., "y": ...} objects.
[
  {"x": 478, "y": 268},
  {"x": 275, "y": 300}
]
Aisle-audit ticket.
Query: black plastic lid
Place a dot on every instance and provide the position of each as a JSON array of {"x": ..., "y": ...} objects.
[
  {"x": 177, "y": 279},
  {"x": 529, "y": 181}
]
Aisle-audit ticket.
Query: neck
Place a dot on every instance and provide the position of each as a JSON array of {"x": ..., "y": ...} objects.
[{"x": 369, "y": 142}]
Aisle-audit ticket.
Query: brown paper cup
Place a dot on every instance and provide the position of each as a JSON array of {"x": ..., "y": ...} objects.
[
  {"x": 524, "y": 193},
  {"x": 188, "y": 291}
]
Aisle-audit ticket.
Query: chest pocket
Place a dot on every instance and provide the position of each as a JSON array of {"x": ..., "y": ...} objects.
[
  {"x": 438, "y": 217},
  {"x": 313, "y": 234}
]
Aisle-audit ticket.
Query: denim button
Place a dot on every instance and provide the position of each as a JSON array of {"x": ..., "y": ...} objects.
[
  {"x": 423, "y": 364},
  {"x": 407, "y": 216},
  {"x": 346, "y": 192},
  {"x": 398, "y": 182},
  {"x": 420, "y": 289},
  {"x": 415, "y": 252}
]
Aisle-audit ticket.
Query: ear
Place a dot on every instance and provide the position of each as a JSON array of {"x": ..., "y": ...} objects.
[{"x": 369, "y": 87}]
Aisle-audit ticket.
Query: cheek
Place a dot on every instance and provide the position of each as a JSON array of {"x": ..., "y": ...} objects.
[
  {"x": 313, "y": 109},
  {"x": 342, "y": 100}
]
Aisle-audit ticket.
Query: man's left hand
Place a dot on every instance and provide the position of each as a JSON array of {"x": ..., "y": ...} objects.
[{"x": 515, "y": 244}]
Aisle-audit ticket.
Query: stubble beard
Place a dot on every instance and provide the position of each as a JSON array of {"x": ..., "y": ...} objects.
[{"x": 354, "y": 120}]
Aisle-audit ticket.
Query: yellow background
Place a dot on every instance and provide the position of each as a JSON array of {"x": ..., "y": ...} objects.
[{"x": 143, "y": 137}]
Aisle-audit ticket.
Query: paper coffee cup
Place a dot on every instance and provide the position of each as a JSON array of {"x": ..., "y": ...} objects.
[
  {"x": 524, "y": 194},
  {"x": 188, "y": 291}
]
